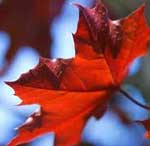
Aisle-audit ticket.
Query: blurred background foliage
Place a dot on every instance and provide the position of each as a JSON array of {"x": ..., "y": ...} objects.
[{"x": 112, "y": 129}]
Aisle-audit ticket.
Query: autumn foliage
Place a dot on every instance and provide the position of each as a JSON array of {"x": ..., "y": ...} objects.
[
  {"x": 69, "y": 91},
  {"x": 28, "y": 24}
]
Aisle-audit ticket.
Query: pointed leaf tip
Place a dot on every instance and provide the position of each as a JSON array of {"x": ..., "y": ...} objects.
[
  {"x": 80, "y": 7},
  {"x": 9, "y": 83}
]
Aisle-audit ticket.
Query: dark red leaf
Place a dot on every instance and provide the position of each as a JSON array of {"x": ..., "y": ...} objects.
[{"x": 28, "y": 24}]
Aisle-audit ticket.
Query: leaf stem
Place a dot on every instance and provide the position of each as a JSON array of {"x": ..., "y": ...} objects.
[{"x": 128, "y": 96}]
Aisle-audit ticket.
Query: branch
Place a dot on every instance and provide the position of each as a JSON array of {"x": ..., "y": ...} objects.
[{"x": 128, "y": 96}]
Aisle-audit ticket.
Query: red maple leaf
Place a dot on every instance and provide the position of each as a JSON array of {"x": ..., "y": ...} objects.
[
  {"x": 70, "y": 91},
  {"x": 28, "y": 23}
]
